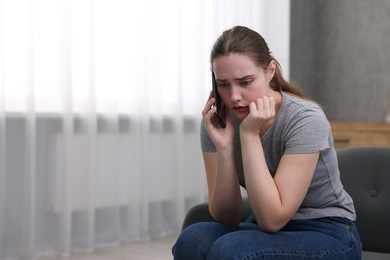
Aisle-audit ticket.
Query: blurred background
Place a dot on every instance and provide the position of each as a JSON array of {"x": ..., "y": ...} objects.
[
  {"x": 100, "y": 105},
  {"x": 339, "y": 56}
]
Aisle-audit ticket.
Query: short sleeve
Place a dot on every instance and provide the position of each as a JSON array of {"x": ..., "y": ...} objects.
[
  {"x": 206, "y": 144},
  {"x": 309, "y": 132}
]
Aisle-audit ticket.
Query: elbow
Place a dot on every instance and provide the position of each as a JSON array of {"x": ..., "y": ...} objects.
[
  {"x": 271, "y": 226},
  {"x": 229, "y": 214},
  {"x": 226, "y": 219},
  {"x": 226, "y": 215},
  {"x": 272, "y": 222},
  {"x": 228, "y": 222}
]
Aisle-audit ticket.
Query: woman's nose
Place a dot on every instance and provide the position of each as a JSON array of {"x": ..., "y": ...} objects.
[{"x": 235, "y": 94}]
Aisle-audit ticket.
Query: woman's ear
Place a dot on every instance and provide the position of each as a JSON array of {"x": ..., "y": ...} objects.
[{"x": 271, "y": 70}]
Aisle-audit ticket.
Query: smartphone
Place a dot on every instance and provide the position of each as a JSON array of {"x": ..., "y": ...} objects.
[{"x": 219, "y": 115}]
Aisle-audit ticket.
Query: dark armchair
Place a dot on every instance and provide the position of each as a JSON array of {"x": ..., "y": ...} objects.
[{"x": 365, "y": 173}]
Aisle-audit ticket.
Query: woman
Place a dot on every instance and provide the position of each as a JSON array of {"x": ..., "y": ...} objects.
[{"x": 279, "y": 147}]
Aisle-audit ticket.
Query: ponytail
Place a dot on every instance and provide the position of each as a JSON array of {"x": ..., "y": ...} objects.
[{"x": 278, "y": 83}]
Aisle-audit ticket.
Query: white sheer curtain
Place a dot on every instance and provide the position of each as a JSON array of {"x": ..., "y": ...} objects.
[{"x": 100, "y": 104}]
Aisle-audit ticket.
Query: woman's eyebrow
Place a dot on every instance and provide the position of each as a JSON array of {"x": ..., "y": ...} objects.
[
  {"x": 241, "y": 78},
  {"x": 245, "y": 77},
  {"x": 236, "y": 79},
  {"x": 221, "y": 80}
]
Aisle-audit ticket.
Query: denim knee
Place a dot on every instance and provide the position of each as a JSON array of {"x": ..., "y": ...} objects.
[
  {"x": 195, "y": 241},
  {"x": 307, "y": 239}
]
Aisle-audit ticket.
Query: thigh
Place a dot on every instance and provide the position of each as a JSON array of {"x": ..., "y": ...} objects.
[
  {"x": 195, "y": 241},
  {"x": 303, "y": 244}
]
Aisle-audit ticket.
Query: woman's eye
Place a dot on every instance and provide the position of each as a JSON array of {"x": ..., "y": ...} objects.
[
  {"x": 223, "y": 85},
  {"x": 245, "y": 83}
]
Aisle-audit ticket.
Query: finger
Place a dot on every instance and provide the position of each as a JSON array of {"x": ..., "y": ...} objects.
[
  {"x": 208, "y": 118},
  {"x": 269, "y": 106},
  {"x": 253, "y": 107},
  {"x": 266, "y": 103},
  {"x": 211, "y": 94},
  {"x": 260, "y": 104},
  {"x": 208, "y": 106}
]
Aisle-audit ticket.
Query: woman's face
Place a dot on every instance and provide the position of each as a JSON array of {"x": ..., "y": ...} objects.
[{"x": 240, "y": 81}]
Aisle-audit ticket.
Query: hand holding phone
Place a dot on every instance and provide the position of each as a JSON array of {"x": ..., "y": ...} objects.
[{"x": 219, "y": 115}]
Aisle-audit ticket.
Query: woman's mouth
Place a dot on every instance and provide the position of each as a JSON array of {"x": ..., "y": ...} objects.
[{"x": 240, "y": 109}]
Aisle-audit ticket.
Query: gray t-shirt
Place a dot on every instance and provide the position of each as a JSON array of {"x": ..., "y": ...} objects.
[{"x": 300, "y": 127}]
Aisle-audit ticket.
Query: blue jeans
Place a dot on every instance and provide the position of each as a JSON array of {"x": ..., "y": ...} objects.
[{"x": 325, "y": 238}]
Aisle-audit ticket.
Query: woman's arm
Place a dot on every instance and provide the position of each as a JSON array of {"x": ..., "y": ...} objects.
[
  {"x": 225, "y": 201},
  {"x": 274, "y": 201}
]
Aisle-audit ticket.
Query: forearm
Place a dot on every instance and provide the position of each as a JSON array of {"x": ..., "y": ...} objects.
[
  {"x": 225, "y": 201},
  {"x": 263, "y": 193}
]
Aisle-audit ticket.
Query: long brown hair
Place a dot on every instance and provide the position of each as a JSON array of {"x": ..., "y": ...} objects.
[{"x": 243, "y": 40}]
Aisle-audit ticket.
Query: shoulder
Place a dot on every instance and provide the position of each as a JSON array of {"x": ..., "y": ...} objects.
[
  {"x": 299, "y": 103},
  {"x": 305, "y": 126},
  {"x": 296, "y": 109}
]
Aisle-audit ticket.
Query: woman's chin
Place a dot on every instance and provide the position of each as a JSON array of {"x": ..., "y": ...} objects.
[{"x": 240, "y": 116}]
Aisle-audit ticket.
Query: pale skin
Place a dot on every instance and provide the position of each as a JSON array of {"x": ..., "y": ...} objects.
[{"x": 245, "y": 91}]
